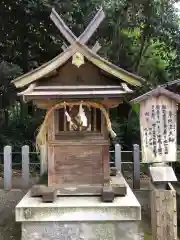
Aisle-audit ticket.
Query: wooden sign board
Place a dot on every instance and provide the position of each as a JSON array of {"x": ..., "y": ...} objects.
[
  {"x": 158, "y": 128},
  {"x": 162, "y": 174}
]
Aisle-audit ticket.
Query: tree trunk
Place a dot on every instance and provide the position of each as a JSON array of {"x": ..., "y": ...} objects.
[
  {"x": 138, "y": 61},
  {"x": 6, "y": 118},
  {"x": 145, "y": 34}
]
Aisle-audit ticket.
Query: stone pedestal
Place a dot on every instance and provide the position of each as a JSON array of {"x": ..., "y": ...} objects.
[{"x": 76, "y": 218}]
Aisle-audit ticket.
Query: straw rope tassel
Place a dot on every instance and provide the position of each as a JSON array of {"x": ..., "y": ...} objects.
[{"x": 41, "y": 138}]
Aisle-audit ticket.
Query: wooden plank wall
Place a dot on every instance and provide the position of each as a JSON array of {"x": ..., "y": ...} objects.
[{"x": 164, "y": 214}]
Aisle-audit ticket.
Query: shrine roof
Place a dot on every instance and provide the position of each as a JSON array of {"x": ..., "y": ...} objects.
[
  {"x": 156, "y": 93},
  {"x": 38, "y": 92},
  {"x": 61, "y": 59}
]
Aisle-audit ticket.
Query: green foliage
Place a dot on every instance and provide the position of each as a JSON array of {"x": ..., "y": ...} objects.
[
  {"x": 125, "y": 125},
  {"x": 141, "y": 36},
  {"x": 7, "y": 72},
  {"x": 21, "y": 129}
]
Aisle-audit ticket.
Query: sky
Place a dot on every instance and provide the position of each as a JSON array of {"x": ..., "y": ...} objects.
[{"x": 177, "y": 5}]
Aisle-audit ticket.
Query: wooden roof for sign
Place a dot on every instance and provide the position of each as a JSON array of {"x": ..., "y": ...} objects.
[
  {"x": 173, "y": 86},
  {"x": 159, "y": 91},
  {"x": 171, "y": 83},
  {"x": 79, "y": 54}
]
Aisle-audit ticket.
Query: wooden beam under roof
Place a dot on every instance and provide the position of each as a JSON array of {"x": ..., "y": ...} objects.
[
  {"x": 28, "y": 90},
  {"x": 84, "y": 94},
  {"x": 126, "y": 88},
  {"x": 79, "y": 87},
  {"x": 75, "y": 90}
]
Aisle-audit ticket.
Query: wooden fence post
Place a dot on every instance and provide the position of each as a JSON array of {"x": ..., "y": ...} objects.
[
  {"x": 7, "y": 167},
  {"x": 25, "y": 166},
  {"x": 43, "y": 159},
  {"x": 136, "y": 172},
  {"x": 118, "y": 157}
]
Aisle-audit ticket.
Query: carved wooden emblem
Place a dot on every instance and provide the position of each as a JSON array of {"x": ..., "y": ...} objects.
[{"x": 78, "y": 59}]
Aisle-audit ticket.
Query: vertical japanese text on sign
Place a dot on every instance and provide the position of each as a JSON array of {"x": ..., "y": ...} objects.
[{"x": 158, "y": 129}]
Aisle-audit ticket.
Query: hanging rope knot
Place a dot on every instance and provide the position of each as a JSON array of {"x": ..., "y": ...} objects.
[{"x": 41, "y": 138}]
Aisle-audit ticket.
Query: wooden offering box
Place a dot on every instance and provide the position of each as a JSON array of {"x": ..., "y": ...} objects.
[{"x": 78, "y": 160}]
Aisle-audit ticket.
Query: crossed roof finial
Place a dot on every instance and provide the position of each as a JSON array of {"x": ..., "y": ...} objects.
[
  {"x": 85, "y": 36},
  {"x": 78, "y": 52}
]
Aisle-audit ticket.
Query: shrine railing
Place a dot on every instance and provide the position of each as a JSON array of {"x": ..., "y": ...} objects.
[{"x": 22, "y": 169}]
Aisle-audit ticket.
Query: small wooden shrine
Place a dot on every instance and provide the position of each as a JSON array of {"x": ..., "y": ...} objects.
[{"x": 78, "y": 88}]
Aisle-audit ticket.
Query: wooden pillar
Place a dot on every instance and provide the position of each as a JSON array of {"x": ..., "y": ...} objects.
[
  {"x": 7, "y": 168},
  {"x": 136, "y": 172},
  {"x": 163, "y": 213},
  {"x": 118, "y": 159},
  {"x": 43, "y": 160},
  {"x": 25, "y": 166},
  {"x": 56, "y": 121},
  {"x": 102, "y": 124},
  {"x": 106, "y": 166}
]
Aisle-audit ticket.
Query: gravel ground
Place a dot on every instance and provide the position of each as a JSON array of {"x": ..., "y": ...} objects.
[{"x": 9, "y": 229}]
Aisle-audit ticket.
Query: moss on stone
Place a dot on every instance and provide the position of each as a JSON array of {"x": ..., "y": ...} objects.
[{"x": 147, "y": 236}]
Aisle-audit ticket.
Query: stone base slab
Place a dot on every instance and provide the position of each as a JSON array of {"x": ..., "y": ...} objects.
[
  {"x": 81, "y": 231},
  {"x": 80, "y": 208},
  {"x": 75, "y": 218}
]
